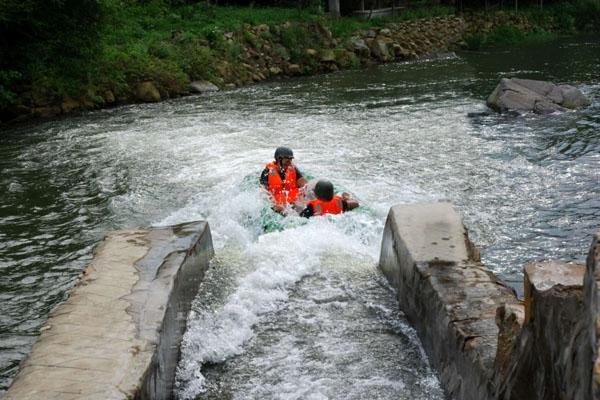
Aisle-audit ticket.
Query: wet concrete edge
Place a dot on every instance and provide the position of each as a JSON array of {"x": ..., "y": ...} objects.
[
  {"x": 484, "y": 342},
  {"x": 117, "y": 335}
]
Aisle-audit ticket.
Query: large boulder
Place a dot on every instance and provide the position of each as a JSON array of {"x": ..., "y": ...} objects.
[
  {"x": 525, "y": 95},
  {"x": 147, "y": 92},
  {"x": 359, "y": 46},
  {"x": 69, "y": 105},
  {"x": 379, "y": 49}
]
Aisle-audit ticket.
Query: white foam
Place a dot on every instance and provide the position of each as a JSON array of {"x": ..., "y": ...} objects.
[{"x": 275, "y": 262}]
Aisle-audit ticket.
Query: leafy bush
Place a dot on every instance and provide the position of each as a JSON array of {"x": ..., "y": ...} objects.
[
  {"x": 475, "y": 42},
  {"x": 565, "y": 23},
  {"x": 7, "y": 95},
  {"x": 505, "y": 35},
  {"x": 587, "y": 15},
  {"x": 162, "y": 49},
  {"x": 167, "y": 75},
  {"x": 42, "y": 30},
  {"x": 197, "y": 61},
  {"x": 346, "y": 59}
]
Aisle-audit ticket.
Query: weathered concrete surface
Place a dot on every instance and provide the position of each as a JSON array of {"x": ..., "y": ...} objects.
[
  {"x": 509, "y": 318},
  {"x": 525, "y": 95},
  {"x": 484, "y": 343},
  {"x": 449, "y": 297},
  {"x": 542, "y": 361},
  {"x": 118, "y": 334},
  {"x": 591, "y": 322}
]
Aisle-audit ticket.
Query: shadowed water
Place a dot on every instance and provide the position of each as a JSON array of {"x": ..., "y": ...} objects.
[{"x": 303, "y": 313}]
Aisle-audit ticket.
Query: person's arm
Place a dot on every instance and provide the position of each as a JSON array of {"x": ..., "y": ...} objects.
[
  {"x": 307, "y": 212},
  {"x": 301, "y": 181},
  {"x": 348, "y": 203},
  {"x": 264, "y": 178},
  {"x": 278, "y": 208}
]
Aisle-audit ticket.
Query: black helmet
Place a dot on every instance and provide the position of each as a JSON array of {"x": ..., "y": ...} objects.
[
  {"x": 283, "y": 152},
  {"x": 324, "y": 190}
]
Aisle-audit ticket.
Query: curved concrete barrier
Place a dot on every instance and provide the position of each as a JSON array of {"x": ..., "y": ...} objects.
[
  {"x": 118, "y": 334},
  {"x": 484, "y": 342}
]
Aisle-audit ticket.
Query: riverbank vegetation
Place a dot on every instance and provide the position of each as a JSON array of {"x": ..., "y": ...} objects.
[{"x": 61, "y": 55}]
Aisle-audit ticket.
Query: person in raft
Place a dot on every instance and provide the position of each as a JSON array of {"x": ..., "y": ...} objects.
[
  {"x": 282, "y": 179},
  {"x": 328, "y": 203}
]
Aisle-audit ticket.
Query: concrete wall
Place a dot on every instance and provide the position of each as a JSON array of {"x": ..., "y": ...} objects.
[
  {"x": 445, "y": 292},
  {"x": 118, "y": 334},
  {"x": 484, "y": 342},
  {"x": 591, "y": 322}
]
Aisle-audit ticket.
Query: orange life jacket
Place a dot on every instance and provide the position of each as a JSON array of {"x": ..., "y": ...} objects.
[
  {"x": 321, "y": 207},
  {"x": 282, "y": 191}
]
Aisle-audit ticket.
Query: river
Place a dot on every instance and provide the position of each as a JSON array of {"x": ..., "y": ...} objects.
[{"x": 303, "y": 313}]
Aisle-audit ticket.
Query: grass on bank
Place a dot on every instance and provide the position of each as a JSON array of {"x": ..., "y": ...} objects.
[
  {"x": 151, "y": 41},
  {"x": 560, "y": 19},
  {"x": 171, "y": 45}
]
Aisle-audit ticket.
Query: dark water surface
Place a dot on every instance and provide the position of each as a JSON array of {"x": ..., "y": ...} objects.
[{"x": 526, "y": 186}]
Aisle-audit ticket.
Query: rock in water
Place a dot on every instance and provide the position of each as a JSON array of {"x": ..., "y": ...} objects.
[
  {"x": 524, "y": 95},
  {"x": 203, "y": 87}
]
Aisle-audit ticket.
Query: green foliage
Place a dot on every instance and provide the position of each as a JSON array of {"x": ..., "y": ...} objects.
[
  {"x": 232, "y": 51},
  {"x": 294, "y": 38},
  {"x": 40, "y": 30},
  {"x": 174, "y": 43},
  {"x": 346, "y": 27},
  {"x": 506, "y": 35},
  {"x": 168, "y": 76},
  {"x": 282, "y": 53},
  {"x": 475, "y": 42},
  {"x": 587, "y": 15},
  {"x": 565, "y": 18},
  {"x": 7, "y": 95},
  {"x": 57, "y": 48},
  {"x": 162, "y": 49},
  {"x": 251, "y": 39},
  {"x": 198, "y": 61},
  {"x": 346, "y": 59}
]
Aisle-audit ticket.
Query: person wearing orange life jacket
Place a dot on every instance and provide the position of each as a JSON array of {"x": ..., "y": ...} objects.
[
  {"x": 328, "y": 203},
  {"x": 282, "y": 179}
]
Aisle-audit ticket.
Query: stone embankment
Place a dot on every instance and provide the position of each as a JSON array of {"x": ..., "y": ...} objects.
[
  {"x": 484, "y": 342},
  {"x": 118, "y": 334},
  {"x": 292, "y": 49}
]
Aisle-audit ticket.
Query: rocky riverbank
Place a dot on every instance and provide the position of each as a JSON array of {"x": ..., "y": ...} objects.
[{"x": 258, "y": 53}]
